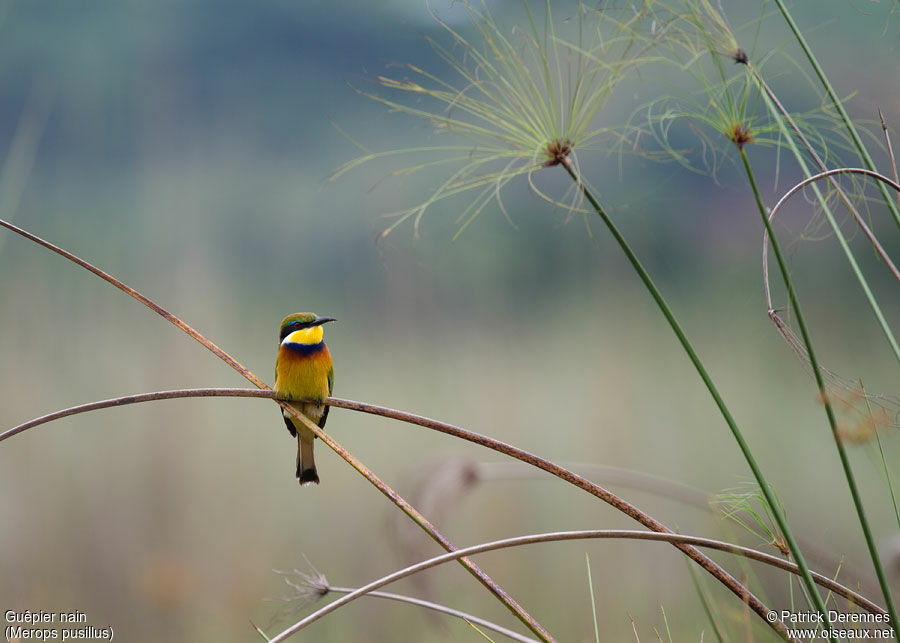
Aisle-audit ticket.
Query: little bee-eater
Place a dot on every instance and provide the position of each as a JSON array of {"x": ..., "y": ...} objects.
[{"x": 303, "y": 371}]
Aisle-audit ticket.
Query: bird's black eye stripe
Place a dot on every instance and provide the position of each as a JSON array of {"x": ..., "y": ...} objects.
[{"x": 290, "y": 328}]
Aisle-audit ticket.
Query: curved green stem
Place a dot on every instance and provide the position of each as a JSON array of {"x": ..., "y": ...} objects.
[
  {"x": 704, "y": 375},
  {"x": 829, "y": 410}
]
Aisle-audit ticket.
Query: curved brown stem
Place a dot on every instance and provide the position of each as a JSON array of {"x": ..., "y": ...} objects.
[
  {"x": 622, "y": 505},
  {"x": 135, "y": 399},
  {"x": 829, "y": 174},
  {"x": 149, "y": 303},
  {"x": 436, "y": 607},
  {"x": 689, "y": 495},
  {"x": 879, "y": 250},
  {"x": 423, "y": 522},
  {"x": 552, "y": 537},
  {"x": 392, "y": 495},
  {"x": 586, "y": 485}
]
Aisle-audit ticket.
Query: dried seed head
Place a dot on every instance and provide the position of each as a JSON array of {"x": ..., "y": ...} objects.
[
  {"x": 308, "y": 587},
  {"x": 556, "y": 151},
  {"x": 740, "y": 56},
  {"x": 860, "y": 417},
  {"x": 740, "y": 135},
  {"x": 781, "y": 545}
]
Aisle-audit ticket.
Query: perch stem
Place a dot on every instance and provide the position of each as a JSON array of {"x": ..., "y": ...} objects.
[
  {"x": 392, "y": 495},
  {"x": 501, "y": 447}
]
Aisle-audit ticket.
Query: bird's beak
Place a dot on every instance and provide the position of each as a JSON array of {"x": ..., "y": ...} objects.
[{"x": 318, "y": 321}]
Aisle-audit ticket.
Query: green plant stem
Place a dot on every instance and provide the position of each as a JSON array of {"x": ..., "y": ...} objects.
[
  {"x": 707, "y": 608},
  {"x": 780, "y": 114},
  {"x": 587, "y": 562},
  {"x": 392, "y": 495},
  {"x": 890, "y": 149},
  {"x": 829, "y": 411},
  {"x": 259, "y": 630},
  {"x": 887, "y": 477},
  {"x": 701, "y": 370},
  {"x": 838, "y": 105}
]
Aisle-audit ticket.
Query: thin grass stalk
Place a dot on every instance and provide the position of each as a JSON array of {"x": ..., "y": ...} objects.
[
  {"x": 666, "y": 623},
  {"x": 707, "y": 608},
  {"x": 884, "y": 464},
  {"x": 838, "y": 105},
  {"x": 890, "y": 149},
  {"x": 23, "y": 146},
  {"x": 260, "y": 631},
  {"x": 829, "y": 412},
  {"x": 780, "y": 114},
  {"x": 393, "y": 496},
  {"x": 587, "y": 562},
  {"x": 887, "y": 474},
  {"x": 634, "y": 628},
  {"x": 587, "y": 534},
  {"x": 698, "y": 364}
]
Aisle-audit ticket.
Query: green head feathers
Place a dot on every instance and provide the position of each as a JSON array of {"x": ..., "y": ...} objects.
[{"x": 299, "y": 321}]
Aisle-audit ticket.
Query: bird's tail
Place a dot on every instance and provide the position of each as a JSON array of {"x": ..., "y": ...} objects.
[{"x": 306, "y": 462}]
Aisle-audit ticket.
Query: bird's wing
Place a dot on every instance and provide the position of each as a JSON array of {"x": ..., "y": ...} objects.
[
  {"x": 288, "y": 422},
  {"x": 330, "y": 389}
]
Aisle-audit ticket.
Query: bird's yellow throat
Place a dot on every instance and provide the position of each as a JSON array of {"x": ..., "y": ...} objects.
[{"x": 307, "y": 336}]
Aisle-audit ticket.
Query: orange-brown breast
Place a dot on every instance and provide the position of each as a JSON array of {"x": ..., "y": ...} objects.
[{"x": 300, "y": 375}]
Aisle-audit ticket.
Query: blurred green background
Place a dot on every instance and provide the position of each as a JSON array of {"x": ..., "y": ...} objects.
[{"x": 185, "y": 147}]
